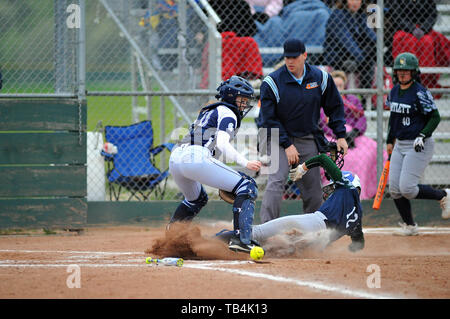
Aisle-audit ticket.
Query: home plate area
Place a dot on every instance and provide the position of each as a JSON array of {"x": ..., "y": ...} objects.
[{"x": 110, "y": 262}]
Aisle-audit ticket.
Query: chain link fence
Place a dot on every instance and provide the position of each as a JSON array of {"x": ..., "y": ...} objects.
[
  {"x": 161, "y": 60},
  {"x": 38, "y": 47}
]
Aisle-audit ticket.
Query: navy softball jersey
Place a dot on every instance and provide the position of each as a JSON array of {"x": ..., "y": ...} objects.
[
  {"x": 409, "y": 111},
  {"x": 343, "y": 208},
  {"x": 217, "y": 116}
]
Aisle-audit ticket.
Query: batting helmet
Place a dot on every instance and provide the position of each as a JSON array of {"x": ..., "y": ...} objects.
[
  {"x": 235, "y": 86},
  {"x": 407, "y": 61},
  {"x": 329, "y": 188},
  {"x": 353, "y": 178}
]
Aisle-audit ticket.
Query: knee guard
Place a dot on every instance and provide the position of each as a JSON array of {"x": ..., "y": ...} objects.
[
  {"x": 187, "y": 210},
  {"x": 246, "y": 192}
]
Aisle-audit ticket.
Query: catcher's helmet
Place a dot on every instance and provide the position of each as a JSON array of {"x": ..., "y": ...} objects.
[
  {"x": 235, "y": 86},
  {"x": 406, "y": 61}
]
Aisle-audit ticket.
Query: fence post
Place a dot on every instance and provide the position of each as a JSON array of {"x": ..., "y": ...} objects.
[
  {"x": 182, "y": 45},
  {"x": 380, "y": 85},
  {"x": 162, "y": 127},
  {"x": 82, "y": 54}
]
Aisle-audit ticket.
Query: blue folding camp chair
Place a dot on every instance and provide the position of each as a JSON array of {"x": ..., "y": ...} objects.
[{"x": 133, "y": 167}]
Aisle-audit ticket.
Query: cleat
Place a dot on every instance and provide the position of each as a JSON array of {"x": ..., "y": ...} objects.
[
  {"x": 236, "y": 245},
  {"x": 407, "y": 230},
  {"x": 225, "y": 235},
  {"x": 445, "y": 205}
]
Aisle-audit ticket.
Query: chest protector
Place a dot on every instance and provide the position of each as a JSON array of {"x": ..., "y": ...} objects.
[{"x": 205, "y": 136}]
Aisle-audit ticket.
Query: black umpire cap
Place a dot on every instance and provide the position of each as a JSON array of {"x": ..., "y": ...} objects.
[{"x": 293, "y": 48}]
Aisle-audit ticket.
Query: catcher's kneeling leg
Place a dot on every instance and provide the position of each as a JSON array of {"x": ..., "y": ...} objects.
[
  {"x": 244, "y": 207},
  {"x": 187, "y": 210}
]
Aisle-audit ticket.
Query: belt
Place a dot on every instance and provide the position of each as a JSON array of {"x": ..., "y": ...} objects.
[{"x": 305, "y": 137}]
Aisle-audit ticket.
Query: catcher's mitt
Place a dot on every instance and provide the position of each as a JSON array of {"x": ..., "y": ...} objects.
[{"x": 227, "y": 196}]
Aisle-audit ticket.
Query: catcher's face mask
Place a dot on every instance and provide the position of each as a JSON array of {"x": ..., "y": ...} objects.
[
  {"x": 337, "y": 157},
  {"x": 245, "y": 104}
]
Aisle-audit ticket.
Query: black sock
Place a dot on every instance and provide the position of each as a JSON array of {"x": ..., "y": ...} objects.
[
  {"x": 404, "y": 208},
  {"x": 428, "y": 192}
]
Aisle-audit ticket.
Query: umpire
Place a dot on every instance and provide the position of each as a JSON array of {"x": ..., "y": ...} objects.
[{"x": 291, "y": 98}]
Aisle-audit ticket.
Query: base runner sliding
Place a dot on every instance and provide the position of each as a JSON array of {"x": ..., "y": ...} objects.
[{"x": 341, "y": 211}]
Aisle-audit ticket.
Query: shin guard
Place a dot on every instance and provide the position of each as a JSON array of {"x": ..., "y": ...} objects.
[
  {"x": 244, "y": 208},
  {"x": 243, "y": 211},
  {"x": 187, "y": 210}
]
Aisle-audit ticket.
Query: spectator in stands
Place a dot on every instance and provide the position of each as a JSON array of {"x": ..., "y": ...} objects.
[
  {"x": 270, "y": 8},
  {"x": 236, "y": 17},
  {"x": 329, "y": 3},
  {"x": 162, "y": 17},
  {"x": 240, "y": 56},
  {"x": 302, "y": 19},
  {"x": 409, "y": 28},
  {"x": 240, "y": 51},
  {"x": 350, "y": 44},
  {"x": 362, "y": 152}
]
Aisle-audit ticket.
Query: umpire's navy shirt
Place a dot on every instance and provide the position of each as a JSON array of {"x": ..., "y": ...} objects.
[{"x": 295, "y": 108}]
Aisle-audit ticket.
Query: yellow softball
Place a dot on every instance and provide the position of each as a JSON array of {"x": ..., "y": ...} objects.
[
  {"x": 148, "y": 260},
  {"x": 257, "y": 253}
]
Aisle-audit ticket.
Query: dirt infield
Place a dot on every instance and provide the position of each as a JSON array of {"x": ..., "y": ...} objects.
[{"x": 110, "y": 263}]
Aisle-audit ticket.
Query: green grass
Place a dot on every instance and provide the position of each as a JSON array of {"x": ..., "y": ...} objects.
[
  {"x": 13, "y": 231},
  {"x": 48, "y": 231},
  {"x": 117, "y": 110},
  {"x": 26, "y": 232}
]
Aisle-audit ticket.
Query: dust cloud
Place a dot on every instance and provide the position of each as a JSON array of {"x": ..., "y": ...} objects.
[{"x": 185, "y": 240}]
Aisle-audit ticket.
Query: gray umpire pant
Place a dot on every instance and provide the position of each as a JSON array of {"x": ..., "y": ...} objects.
[{"x": 309, "y": 185}]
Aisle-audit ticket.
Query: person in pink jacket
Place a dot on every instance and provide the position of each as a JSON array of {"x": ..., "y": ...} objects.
[
  {"x": 271, "y": 8},
  {"x": 362, "y": 153}
]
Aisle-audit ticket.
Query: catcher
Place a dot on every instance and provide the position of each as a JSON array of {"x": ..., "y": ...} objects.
[
  {"x": 340, "y": 212},
  {"x": 192, "y": 163}
]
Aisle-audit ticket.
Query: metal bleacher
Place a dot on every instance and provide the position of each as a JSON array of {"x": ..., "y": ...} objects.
[
  {"x": 443, "y": 25},
  {"x": 435, "y": 173}
]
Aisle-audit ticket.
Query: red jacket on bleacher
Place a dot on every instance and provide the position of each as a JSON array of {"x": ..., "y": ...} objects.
[
  {"x": 240, "y": 56},
  {"x": 432, "y": 50}
]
